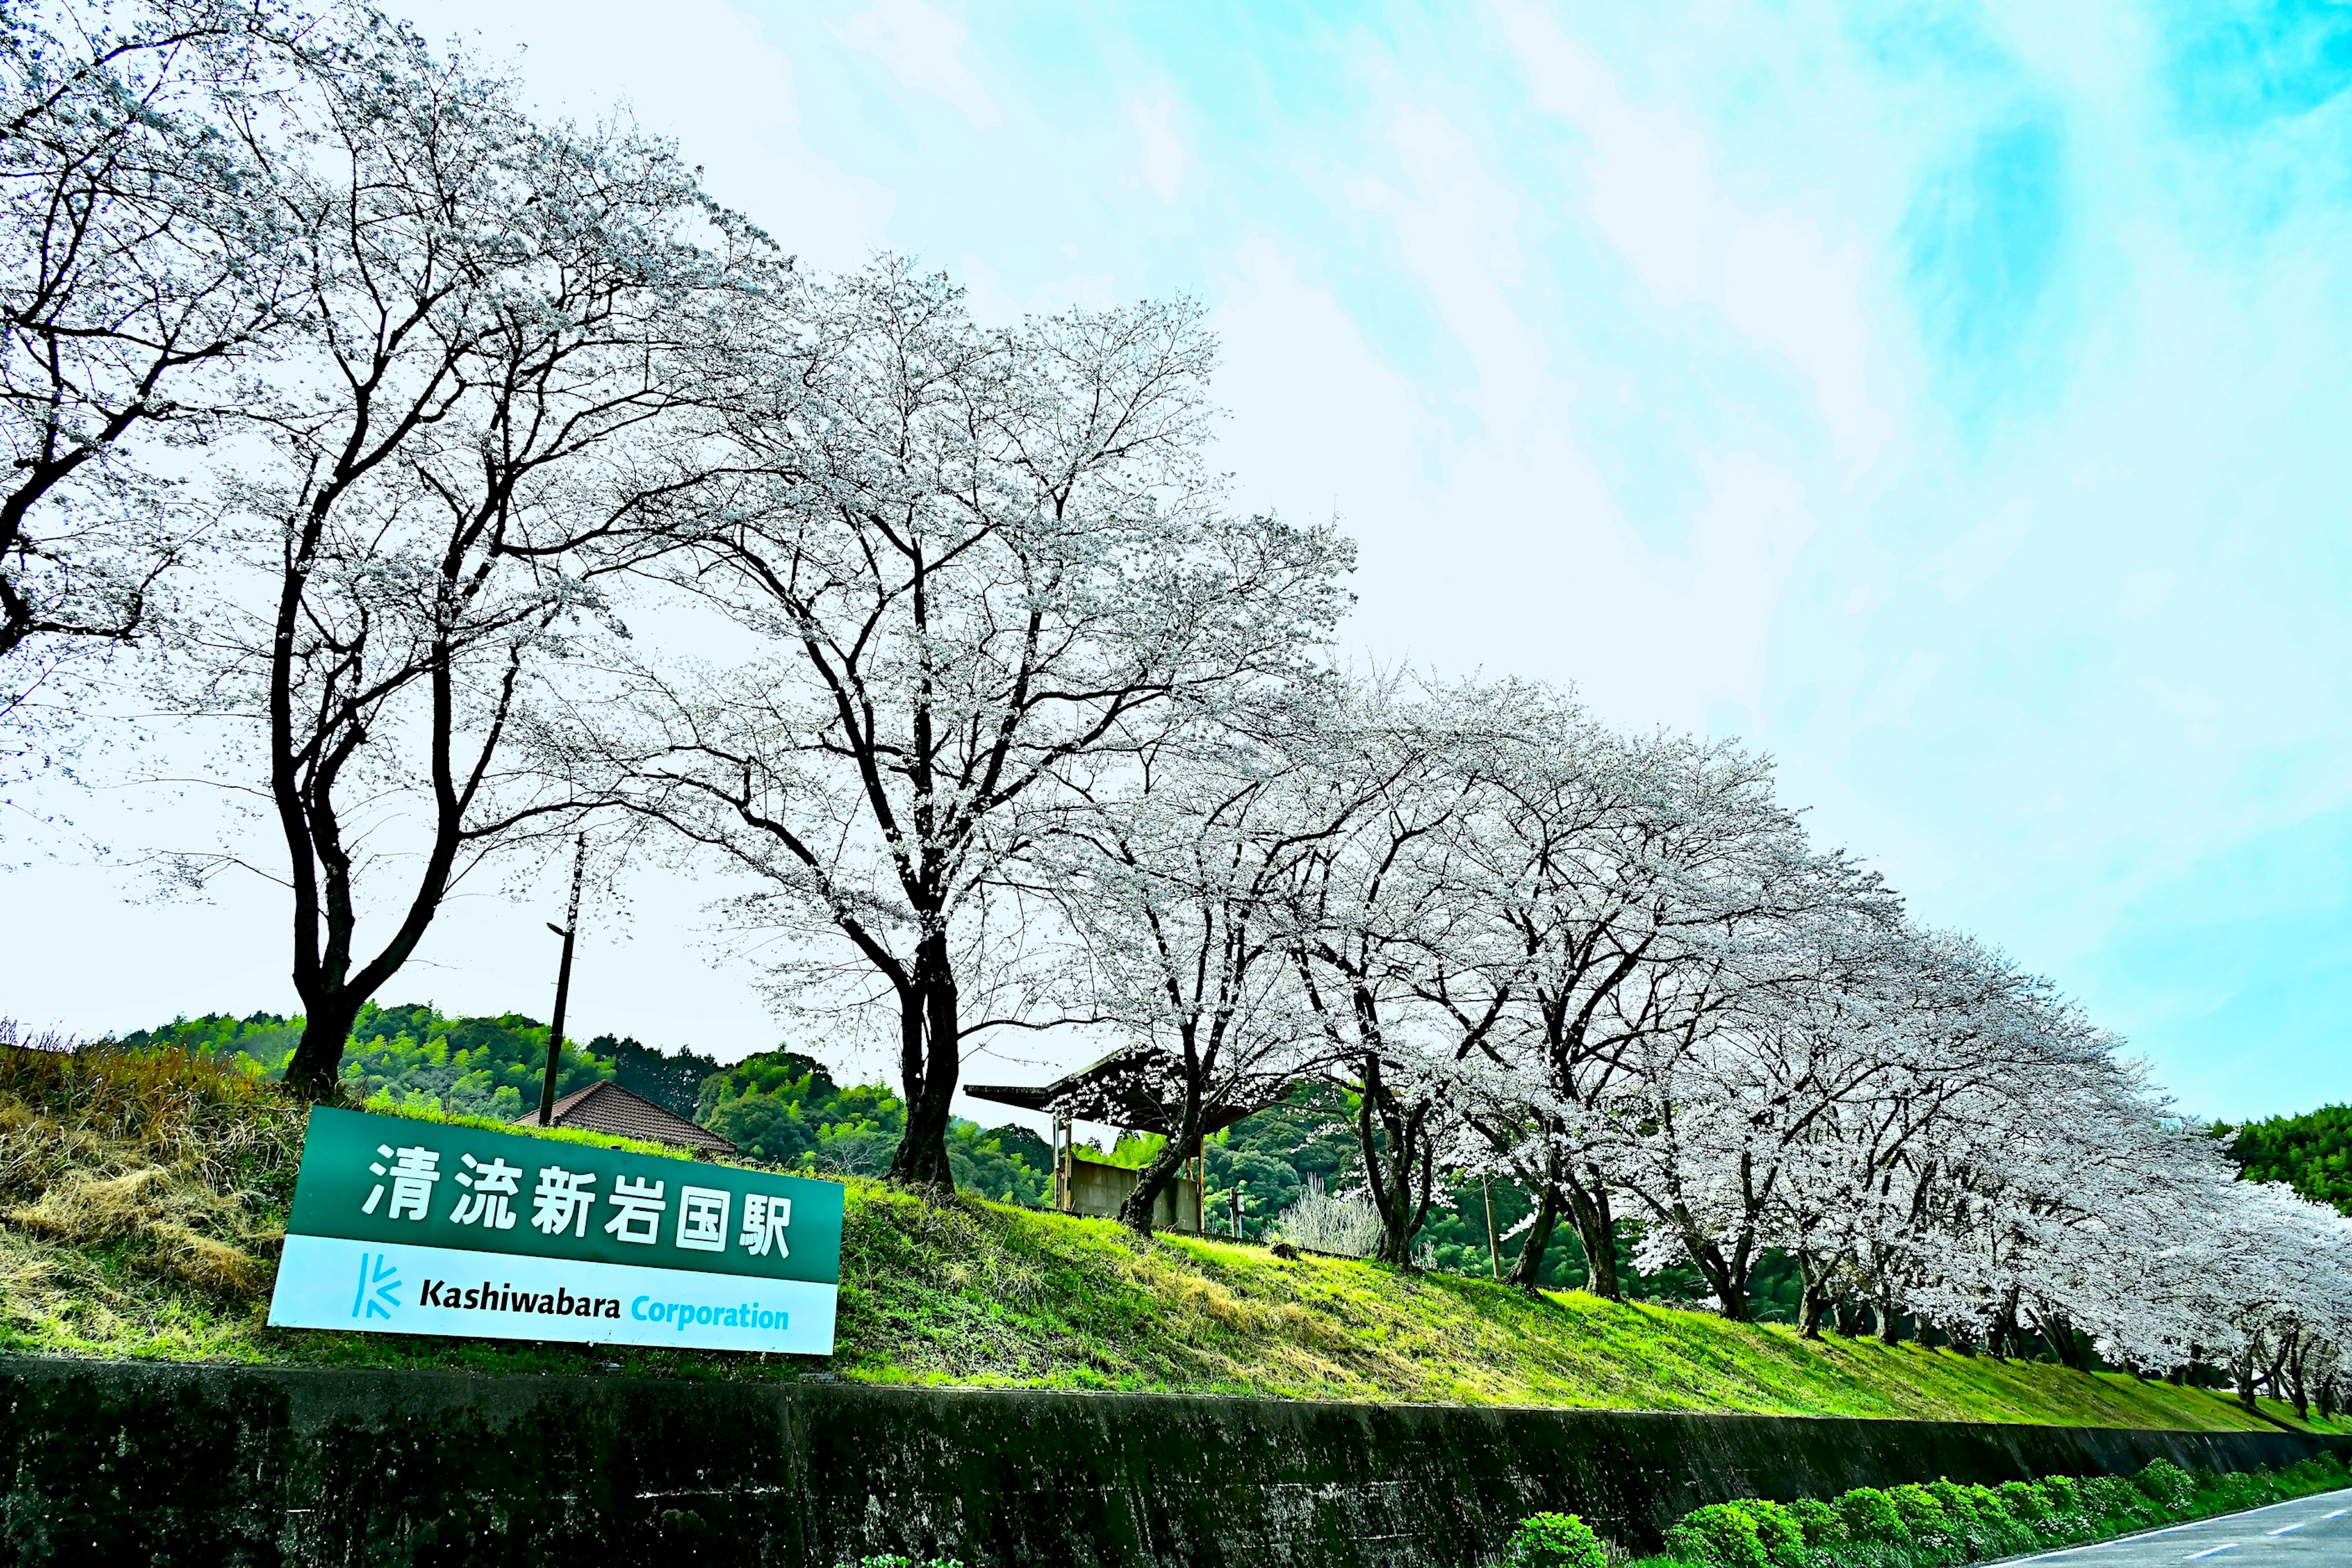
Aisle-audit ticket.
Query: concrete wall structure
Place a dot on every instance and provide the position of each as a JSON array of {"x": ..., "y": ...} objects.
[{"x": 161, "y": 1464}]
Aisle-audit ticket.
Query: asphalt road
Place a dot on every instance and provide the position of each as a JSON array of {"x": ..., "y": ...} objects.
[{"x": 2307, "y": 1533}]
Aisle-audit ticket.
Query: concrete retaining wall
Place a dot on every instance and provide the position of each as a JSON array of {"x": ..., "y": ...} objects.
[{"x": 114, "y": 1463}]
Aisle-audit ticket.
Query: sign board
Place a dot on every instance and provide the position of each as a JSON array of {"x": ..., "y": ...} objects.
[{"x": 421, "y": 1228}]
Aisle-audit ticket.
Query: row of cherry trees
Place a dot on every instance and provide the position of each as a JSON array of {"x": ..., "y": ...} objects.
[
  {"x": 1613, "y": 968},
  {"x": 461, "y": 482}
]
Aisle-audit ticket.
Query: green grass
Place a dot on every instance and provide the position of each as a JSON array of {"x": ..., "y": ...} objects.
[{"x": 126, "y": 1231}]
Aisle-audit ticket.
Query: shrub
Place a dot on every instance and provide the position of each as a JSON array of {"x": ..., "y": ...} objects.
[
  {"x": 1999, "y": 1531},
  {"x": 1959, "y": 1508},
  {"x": 2065, "y": 1496},
  {"x": 1922, "y": 1514},
  {"x": 1555, "y": 1540},
  {"x": 1820, "y": 1523},
  {"x": 887, "y": 1560},
  {"x": 2322, "y": 1470},
  {"x": 2113, "y": 1501},
  {"x": 1721, "y": 1535},
  {"x": 2167, "y": 1486},
  {"x": 1871, "y": 1515},
  {"x": 1777, "y": 1531},
  {"x": 2025, "y": 1501}
]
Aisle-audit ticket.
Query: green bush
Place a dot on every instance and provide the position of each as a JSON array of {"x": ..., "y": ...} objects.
[
  {"x": 1555, "y": 1540},
  {"x": 2112, "y": 1500},
  {"x": 1820, "y": 1523},
  {"x": 1923, "y": 1516},
  {"x": 1943, "y": 1523},
  {"x": 2026, "y": 1500},
  {"x": 887, "y": 1560},
  {"x": 1959, "y": 1508},
  {"x": 1871, "y": 1516},
  {"x": 1777, "y": 1531},
  {"x": 2166, "y": 1485},
  {"x": 1721, "y": 1535},
  {"x": 2318, "y": 1473}
]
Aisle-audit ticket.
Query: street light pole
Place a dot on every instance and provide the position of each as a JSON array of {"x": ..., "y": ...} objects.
[{"x": 568, "y": 931}]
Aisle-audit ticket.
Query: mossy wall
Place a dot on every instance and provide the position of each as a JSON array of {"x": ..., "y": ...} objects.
[{"x": 151, "y": 1463}]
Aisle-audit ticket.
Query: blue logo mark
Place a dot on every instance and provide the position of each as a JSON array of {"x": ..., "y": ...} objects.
[{"x": 379, "y": 1290}]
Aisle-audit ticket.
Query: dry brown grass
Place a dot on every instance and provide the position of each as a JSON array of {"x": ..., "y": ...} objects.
[{"x": 173, "y": 1166}]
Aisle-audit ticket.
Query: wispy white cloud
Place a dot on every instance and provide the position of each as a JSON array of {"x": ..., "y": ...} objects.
[
  {"x": 1160, "y": 151},
  {"x": 924, "y": 48}
]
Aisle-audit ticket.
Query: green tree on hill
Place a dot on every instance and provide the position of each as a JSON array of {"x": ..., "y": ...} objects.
[
  {"x": 671, "y": 1079},
  {"x": 412, "y": 1055},
  {"x": 784, "y": 1107},
  {"x": 2311, "y": 1152}
]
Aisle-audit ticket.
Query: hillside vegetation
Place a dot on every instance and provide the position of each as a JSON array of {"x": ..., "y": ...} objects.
[
  {"x": 143, "y": 1194},
  {"x": 2311, "y": 1152}
]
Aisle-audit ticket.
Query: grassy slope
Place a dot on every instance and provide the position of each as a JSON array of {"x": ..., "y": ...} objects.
[{"x": 118, "y": 1239}]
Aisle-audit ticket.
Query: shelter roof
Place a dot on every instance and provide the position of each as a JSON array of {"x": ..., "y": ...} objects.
[
  {"x": 607, "y": 1107},
  {"x": 1125, "y": 1088}
]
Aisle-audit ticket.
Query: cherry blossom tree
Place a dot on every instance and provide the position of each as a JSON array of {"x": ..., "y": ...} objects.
[
  {"x": 143, "y": 268},
  {"x": 1178, "y": 884},
  {"x": 494, "y": 316},
  {"x": 969, "y": 564}
]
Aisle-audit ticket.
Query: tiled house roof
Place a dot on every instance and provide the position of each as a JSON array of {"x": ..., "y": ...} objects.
[{"x": 608, "y": 1108}]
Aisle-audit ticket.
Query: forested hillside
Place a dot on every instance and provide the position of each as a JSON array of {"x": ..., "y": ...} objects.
[{"x": 2311, "y": 1152}]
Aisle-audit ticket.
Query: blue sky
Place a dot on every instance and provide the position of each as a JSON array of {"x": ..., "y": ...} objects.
[{"x": 1950, "y": 400}]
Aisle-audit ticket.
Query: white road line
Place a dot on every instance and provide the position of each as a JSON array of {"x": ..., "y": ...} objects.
[
  {"x": 2211, "y": 1552},
  {"x": 2197, "y": 1524},
  {"x": 2290, "y": 1528}
]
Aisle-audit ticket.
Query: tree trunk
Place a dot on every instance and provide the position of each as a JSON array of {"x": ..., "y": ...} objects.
[
  {"x": 1596, "y": 1231},
  {"x": 315, "y": 1071},
  {"x": 930, "y": 1062},
  {"x": 1396, "y": 1164},
  {"x": 2070, "y": 1347},
  {"x": 2002, "y": 1338},
  {"x": 1723, "y": 1277},
  {"x": 1890, "y": 1324},
  {"x": 1136, "y": 1212},
  {"x": 1150, "y": 1182},
  {"x": 1526, "y": 1271},
  {"x": 1813, "y": 1304}
]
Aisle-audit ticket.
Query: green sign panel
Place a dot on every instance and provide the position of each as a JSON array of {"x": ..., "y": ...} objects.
[{"x": 423, "y": 1227}]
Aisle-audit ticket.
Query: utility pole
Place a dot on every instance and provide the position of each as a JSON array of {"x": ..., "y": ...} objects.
[
  {"x": 569, "y": 930},
  {"x": 1494, "y": 1255}
]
